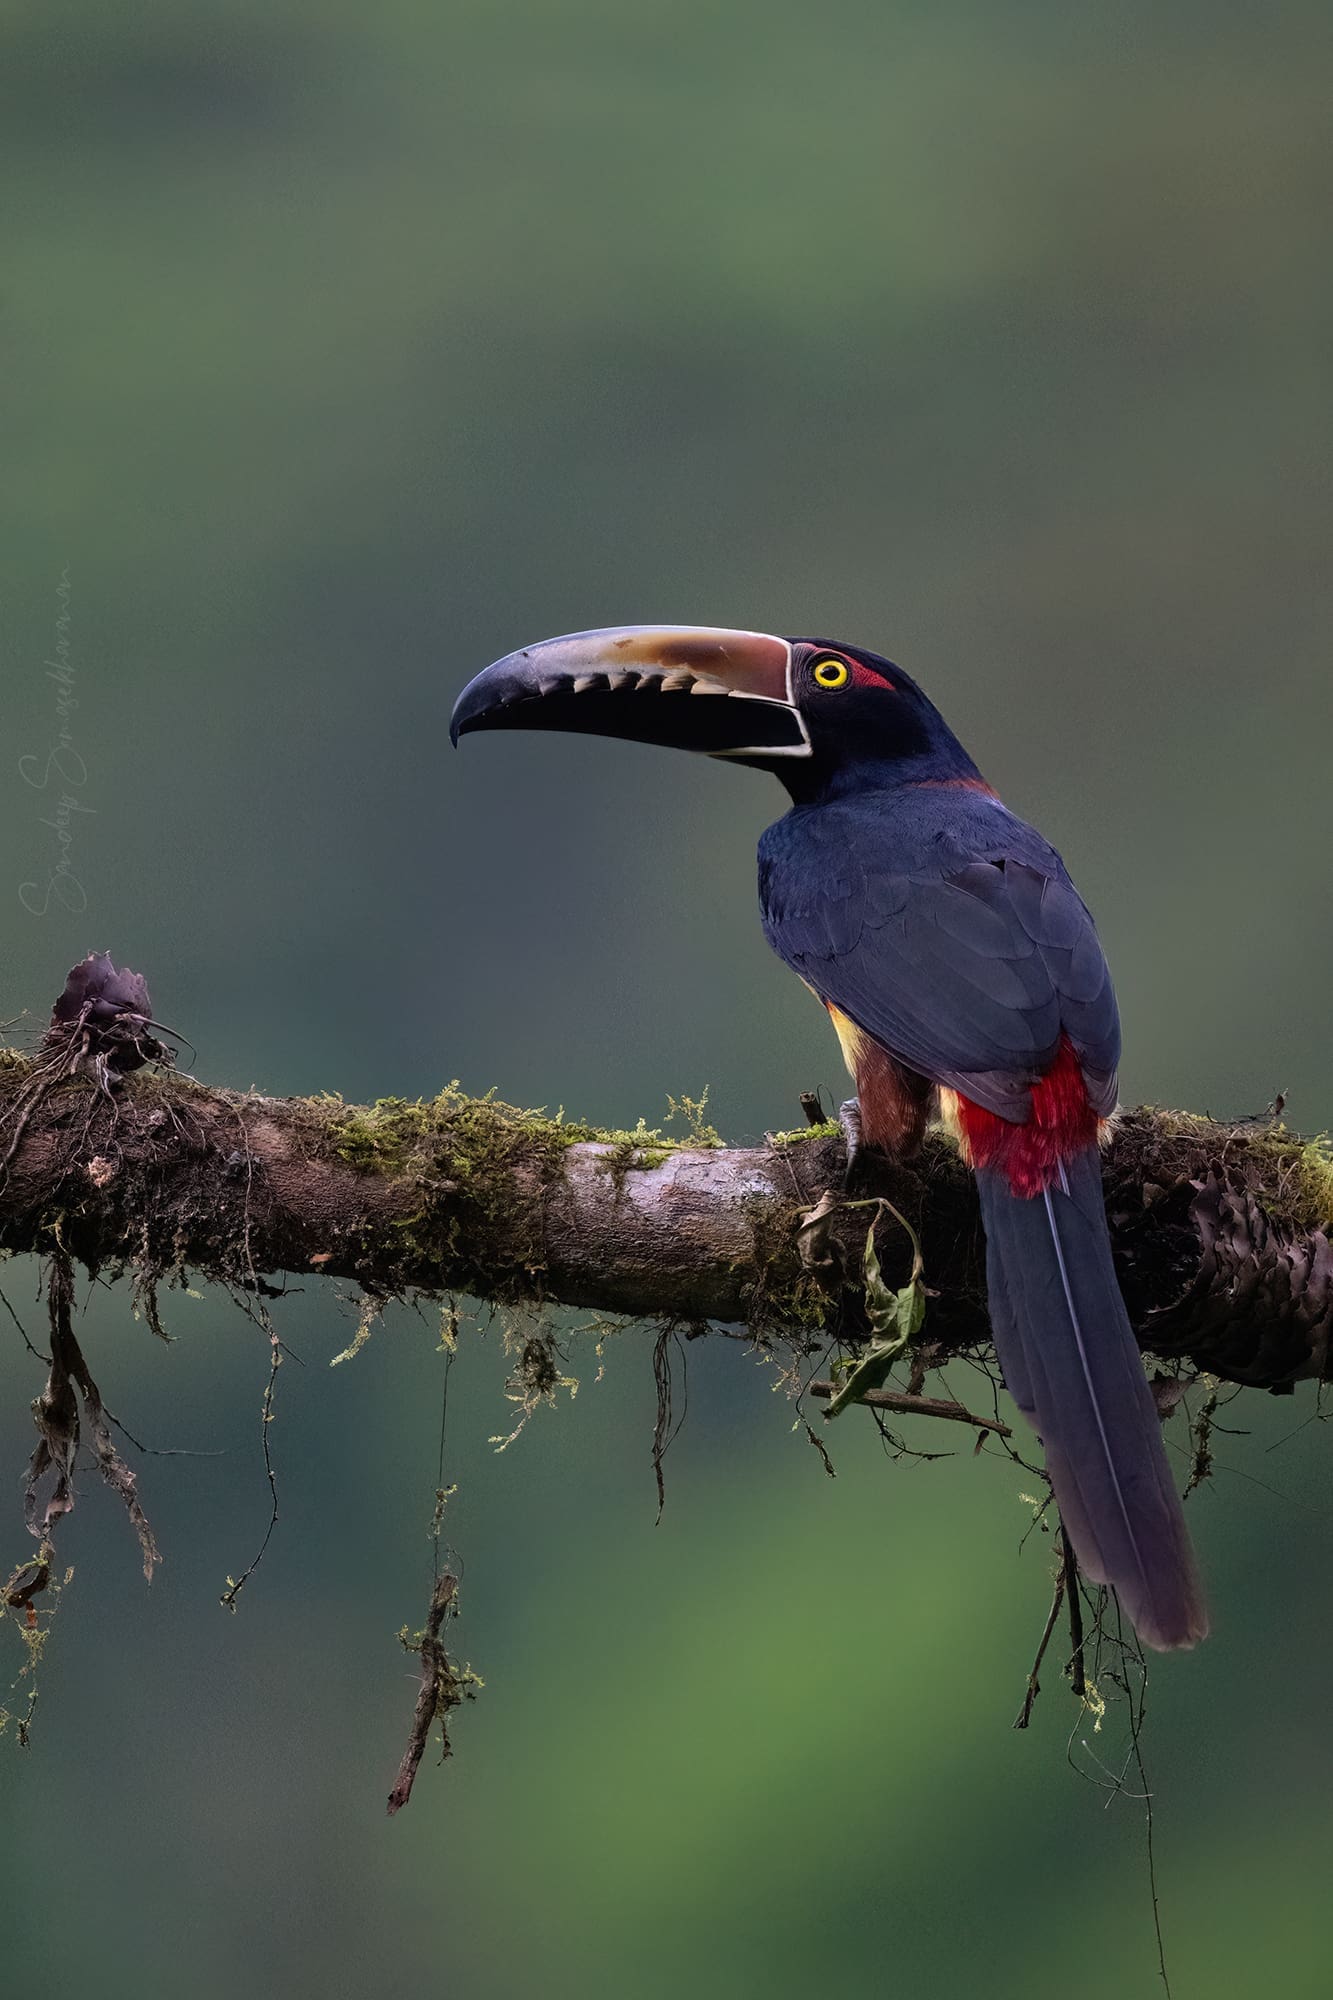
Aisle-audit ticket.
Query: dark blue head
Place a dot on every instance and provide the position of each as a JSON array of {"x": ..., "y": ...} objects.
[{"x": 868, "y": 724}]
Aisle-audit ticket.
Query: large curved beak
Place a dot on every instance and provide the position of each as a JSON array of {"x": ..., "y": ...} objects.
[{"x": 689, "y": 687}]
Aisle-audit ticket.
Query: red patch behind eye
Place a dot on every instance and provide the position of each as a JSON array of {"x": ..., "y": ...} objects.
[{"x": 866, "y": 677}]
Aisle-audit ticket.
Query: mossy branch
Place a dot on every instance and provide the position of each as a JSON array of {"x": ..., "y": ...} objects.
[
  {"x": 109, "y": 1156},
  {"x": 1218, "y": 1229}
]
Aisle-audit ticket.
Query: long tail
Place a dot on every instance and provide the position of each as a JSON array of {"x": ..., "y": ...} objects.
[{"x": 1072, "y": 1365}]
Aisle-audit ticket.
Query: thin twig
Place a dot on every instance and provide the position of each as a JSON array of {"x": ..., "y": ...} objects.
[
  {"x": 917, "y": 1406},
  {"x": 1077, "y": 1677},
  {"x": 261, "y": 1317},
  {"x": 36, "y": 1352},
  {"x": 1137, "y": 1732},
  {"x": 666, "y": 1425},
  {"x": 1024, "y": 1716},
  {"x": 432, "y": 1695}
]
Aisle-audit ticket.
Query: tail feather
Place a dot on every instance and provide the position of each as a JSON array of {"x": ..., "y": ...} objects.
[{"x": 1072, "y": 1365}]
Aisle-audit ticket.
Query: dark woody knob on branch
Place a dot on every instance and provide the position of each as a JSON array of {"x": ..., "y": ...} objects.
[{"x": 111, "y": 1009}]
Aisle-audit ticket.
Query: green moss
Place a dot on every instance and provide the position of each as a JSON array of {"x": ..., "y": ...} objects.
[
  {"x": 1304, "y": 1171},
  {"x": 1292, "y": 1176},
  {"x": 804, "y": 1304},
  {"x": 830, "y": 1129},
  {"x": 637, "y": 1138},
  {"x": 382, "y": 1137},
  {"x": 396, "y": 1135},
  {"x": 470, "y": 1148},
  {"x": 691, "y": 1109},
  {"x": 637, "y": 1152},
  {"x": 788, "y": 1304}
]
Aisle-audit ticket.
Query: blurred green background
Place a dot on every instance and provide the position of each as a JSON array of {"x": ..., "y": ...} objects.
[{"x": 343, "y": 350}]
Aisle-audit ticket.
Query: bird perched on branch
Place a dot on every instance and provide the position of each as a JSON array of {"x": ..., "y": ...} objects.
[{"x": 962, "y": 972}]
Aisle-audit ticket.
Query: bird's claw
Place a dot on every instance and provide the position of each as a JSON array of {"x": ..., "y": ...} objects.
[{"x": 849, "y": 1119}]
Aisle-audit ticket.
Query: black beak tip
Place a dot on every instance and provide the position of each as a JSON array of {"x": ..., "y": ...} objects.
[{"x": 471, "y": 707}]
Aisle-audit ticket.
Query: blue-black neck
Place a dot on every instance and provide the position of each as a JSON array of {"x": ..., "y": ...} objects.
[{"x": 839, "y": 772}]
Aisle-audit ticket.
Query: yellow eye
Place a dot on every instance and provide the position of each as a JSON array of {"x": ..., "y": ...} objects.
[{"x": 831, "y": 673}]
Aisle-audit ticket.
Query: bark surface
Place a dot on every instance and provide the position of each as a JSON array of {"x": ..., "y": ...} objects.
[{"x": 1219, "y": 1230}]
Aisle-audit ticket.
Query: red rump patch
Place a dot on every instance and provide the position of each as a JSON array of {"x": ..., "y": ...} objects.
[{"x": 1062, "y": 1123}]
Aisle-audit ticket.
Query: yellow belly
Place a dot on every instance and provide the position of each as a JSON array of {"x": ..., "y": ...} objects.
[{"x": 851, "y": 1039}]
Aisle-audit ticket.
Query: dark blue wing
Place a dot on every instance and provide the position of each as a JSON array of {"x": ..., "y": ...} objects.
[{"x": 964, "y": 951}]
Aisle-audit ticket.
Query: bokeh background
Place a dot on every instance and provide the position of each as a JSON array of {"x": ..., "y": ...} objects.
[{"x": 344, "y": 349}]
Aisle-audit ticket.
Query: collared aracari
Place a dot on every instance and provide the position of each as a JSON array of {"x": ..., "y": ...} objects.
[{"x": 962, "y": 972}]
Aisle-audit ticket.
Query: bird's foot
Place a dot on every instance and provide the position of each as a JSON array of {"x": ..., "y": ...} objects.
[
  {"x": 849, "y": 1118},
  {"x": 859, "y": 1155}
]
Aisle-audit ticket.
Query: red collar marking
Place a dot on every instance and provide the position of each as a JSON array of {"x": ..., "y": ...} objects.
[{"x": 958, "y": 785}]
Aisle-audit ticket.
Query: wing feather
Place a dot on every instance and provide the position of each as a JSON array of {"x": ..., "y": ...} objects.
[{"x": 967, "y": 966}]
